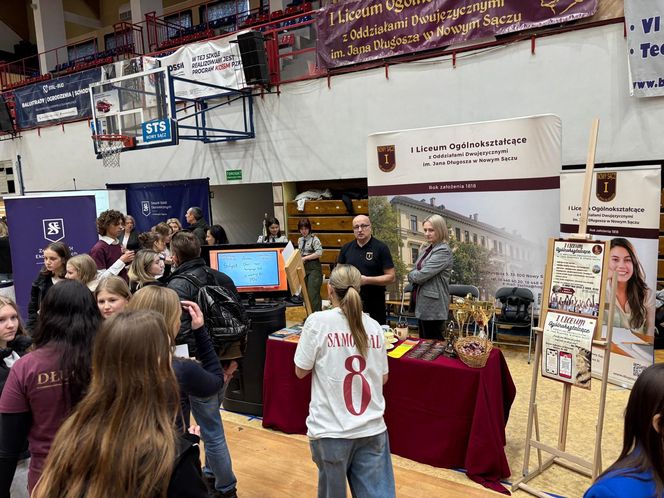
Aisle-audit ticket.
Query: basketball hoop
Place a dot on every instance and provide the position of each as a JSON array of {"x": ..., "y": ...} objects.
[{"x": 110, "y": 146}]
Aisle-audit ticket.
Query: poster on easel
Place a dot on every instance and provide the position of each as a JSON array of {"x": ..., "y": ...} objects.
[
  {"x": 566, "y": 348},
  {"x": 628, "y": 218},
  {"x": 574, "y": 285},
  {"x": 576, "y": 277}
]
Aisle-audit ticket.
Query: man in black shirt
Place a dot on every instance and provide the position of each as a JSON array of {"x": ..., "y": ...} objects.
[{"x": 372, "y": 257}]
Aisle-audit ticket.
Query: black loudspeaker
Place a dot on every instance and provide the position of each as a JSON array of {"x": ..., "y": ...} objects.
[
  {"x": 6, "y": 125},
  {"x": 254, "y": 60}
]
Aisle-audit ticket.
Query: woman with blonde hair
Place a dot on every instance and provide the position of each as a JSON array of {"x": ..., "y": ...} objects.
[
  {"x": 146, "y": 268},
  {"x": 121, "y": 439},
  {"x": 175, "y": 225},
  {"x": 112, "y": 295},
  {"x": 430, "y": 277},
  {"x": 84, "y": 269},
  {"x": 345, "y": 350},
  {"x": 196, "y": 379}
]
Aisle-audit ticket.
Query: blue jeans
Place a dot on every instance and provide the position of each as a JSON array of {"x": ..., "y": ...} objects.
[
  {"x": 366, "y": 462},
  {"x": 217, "y": 458}
]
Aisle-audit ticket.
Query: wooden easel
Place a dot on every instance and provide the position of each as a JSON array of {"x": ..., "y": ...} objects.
[
  {"x": 559, "y": 454},
  {"x": 295, "y": 273}
]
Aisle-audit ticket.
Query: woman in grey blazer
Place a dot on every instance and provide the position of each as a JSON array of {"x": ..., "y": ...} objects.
[{"x": 431, "y": 279}]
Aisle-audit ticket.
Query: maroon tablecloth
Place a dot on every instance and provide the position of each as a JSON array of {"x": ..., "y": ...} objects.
[{"x": 441, "y": 413}]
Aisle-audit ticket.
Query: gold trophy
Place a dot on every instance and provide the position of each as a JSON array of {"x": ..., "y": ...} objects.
[{"x": 483, "y": 311}]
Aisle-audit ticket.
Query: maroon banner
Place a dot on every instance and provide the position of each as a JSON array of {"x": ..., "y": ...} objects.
[{"x": 365, "y": 30}]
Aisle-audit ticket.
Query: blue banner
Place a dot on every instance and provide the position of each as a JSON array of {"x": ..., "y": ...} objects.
[
  {"x": 152, "y": 203},
  {"x": 55, "y": 101},
  {"x": 36, "y": 222}
]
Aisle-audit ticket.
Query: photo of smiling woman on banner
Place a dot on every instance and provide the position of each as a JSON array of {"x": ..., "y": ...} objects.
[{"x": 635, "y": 302}]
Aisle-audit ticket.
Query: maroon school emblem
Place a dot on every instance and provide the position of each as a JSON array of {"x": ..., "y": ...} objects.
[
  {"x": 605, "y": 189},
  {"x": 386, "y": 158}
]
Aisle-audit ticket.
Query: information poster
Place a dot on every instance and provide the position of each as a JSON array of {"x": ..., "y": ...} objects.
[
  {"x": 567, "y": 348},
  {"x": 624, "y": 209},
  {"x": 576, "y": 277}
]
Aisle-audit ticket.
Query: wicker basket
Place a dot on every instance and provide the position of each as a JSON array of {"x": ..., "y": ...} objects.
[{"x": 474, "y": 361}]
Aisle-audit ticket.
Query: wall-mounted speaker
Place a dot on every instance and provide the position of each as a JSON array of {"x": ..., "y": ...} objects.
[{"x": 254, "y": 60}]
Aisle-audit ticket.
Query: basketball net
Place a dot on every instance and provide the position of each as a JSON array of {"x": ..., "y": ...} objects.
[{"x": 110, "y": 147}]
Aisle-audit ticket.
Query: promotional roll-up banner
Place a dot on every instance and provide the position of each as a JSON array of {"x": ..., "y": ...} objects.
[
  {"x": 34, "y": 223},
  {"x": 216, "y": 62},
  {"x": 496, "y": 185},
  {"x": 365, "y": 30},
  {"x": 629, "y": 218},
  {"x": 645, "y": 39},
  {"x": 152, "y": 203},
  {"x": 55, "y": 101}
]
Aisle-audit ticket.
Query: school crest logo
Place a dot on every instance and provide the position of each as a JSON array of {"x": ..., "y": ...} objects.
[
  {"x": 54, "y": 229},
  {"x": 605, "y": 188},
  {"x": 369, "y": 256},
  {"x": 386, "y": 158},
  {"x": 145, "y": 208}
]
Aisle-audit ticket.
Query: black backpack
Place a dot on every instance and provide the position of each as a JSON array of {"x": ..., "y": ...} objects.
[{"x": 225, "y": 318}]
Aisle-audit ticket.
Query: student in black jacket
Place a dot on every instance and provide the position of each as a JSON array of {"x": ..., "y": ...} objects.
[
  {"x": 121, "y": 439},
  {"x": 202, "y": 378},
  {"x": 56, "y": 256}
]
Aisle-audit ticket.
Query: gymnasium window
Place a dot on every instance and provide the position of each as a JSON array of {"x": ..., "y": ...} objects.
[
  {"x": 457, "y": 234},
  {"x": 500, "y": 247},
  {"x": 82, "y": 50},
  {"x": 413, "y": 223},
  {"x": 483, "y": 239},
  {"x": 466, "y": 236},
  {"x": 122, "y": 39},
  {"x": 177, "y": 23},
  {"x": 219, "y": 10},
  {"x": 475, "y": 238}
]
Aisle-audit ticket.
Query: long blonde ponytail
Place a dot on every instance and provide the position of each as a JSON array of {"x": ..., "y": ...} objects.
[{"x": 345, "y": 281}]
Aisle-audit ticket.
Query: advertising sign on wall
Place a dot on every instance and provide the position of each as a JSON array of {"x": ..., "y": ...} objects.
[
  {"x": 645, "y": 38},
  {"x": 152, "y": 203},
  {"x": 629, "y": 218},
  {"x": 216, "y": 62},
  {"x": 55, "y": 101},
  {"x": 495, "y": 183},
  {"x": 36, "y": 222},
  {"x": 365, "y": 30}
]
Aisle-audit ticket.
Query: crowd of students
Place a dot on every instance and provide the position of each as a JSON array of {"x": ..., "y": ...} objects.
[{"x": 96, "y": 366}]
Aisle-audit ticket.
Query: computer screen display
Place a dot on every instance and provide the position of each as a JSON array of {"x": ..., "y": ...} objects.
[{"x": 255, "y": 270}]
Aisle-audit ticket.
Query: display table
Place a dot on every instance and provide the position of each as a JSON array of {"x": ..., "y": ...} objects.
[{"x": 440, "y": 412}]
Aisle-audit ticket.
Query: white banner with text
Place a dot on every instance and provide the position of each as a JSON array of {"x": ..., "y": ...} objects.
[{"x": 496, "y": 185}]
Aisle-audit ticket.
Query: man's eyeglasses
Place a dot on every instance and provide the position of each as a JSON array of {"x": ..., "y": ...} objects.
[{"x": 360, "y": 227}]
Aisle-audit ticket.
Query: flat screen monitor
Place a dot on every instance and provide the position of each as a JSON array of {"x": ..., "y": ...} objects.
[{"x": 256, "y": 270}]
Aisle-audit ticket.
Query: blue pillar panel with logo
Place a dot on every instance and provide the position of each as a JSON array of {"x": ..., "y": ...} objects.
[{"x": 36, "y": 222}]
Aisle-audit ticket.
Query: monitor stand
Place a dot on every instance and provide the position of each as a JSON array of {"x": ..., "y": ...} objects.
[{"x": 244, "y": 393}]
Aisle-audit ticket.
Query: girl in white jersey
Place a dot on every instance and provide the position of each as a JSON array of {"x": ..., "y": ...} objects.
[{"x": 345, "y": 350}]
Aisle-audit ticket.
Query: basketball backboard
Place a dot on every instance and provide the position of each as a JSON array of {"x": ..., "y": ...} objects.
[{"x": 137, "y": 106}]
